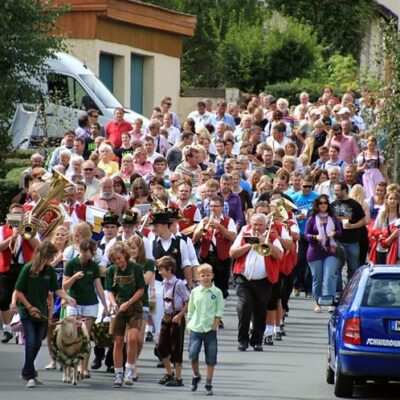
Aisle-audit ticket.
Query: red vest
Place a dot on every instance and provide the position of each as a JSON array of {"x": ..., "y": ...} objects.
[
  {"x": 223, "y": 244},
  {"x": 80, "y": 211},
  {"x": 6, "y": 256},
  {"x": 188, "y": 213},
  {"x": 271, "y": 265},
  {"x": 290, "y": 257}
]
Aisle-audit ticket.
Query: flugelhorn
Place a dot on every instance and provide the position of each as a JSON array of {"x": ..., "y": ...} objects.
[
  {"x": 207, "y": 227},
  {"x": 264, "y": 249}
]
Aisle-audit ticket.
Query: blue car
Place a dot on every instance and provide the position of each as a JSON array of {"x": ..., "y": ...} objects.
[{"x": 364, "y": 330}]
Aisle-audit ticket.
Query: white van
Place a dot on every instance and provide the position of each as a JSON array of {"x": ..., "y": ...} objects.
[{"x": 70, "y": 89}]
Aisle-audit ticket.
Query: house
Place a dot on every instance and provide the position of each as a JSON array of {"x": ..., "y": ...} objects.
[
  {"x": 135, "y": 48},
  {"x": 371, "y": 51}
]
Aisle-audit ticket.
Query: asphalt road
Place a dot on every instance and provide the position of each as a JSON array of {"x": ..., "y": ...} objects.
[{"x": 293, "y": 369}]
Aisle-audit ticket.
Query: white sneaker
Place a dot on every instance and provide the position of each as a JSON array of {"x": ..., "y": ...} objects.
[
  {"x": 52, "y": 365},
  {"x": 31, "y": 383},
  {"x": 128, "y": 378}
]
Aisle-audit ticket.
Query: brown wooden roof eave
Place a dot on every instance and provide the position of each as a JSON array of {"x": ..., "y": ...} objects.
[
  {"x": 138, "y": 13},
  {"x": 152, "y": 17}
]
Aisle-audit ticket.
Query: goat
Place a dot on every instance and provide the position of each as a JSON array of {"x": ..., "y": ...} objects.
[{"x": 70, "y": 337}]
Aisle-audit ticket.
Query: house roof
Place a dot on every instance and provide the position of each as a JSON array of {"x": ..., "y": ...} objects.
[{"x": 137, "y": 13}]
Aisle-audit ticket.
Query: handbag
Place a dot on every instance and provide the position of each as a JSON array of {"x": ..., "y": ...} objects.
[{"x": 340, "y": 253}]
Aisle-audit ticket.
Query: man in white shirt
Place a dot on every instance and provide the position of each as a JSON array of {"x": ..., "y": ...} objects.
[
  {"x": 174, "y": 134},
  {"x": 201, "y": 116},
  {"x": 254, "y": 276}
]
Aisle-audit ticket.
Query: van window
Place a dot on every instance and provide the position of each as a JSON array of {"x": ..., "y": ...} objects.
[
  {"x": 101, "y": 92},
  {"x": 67, "y": 91}
]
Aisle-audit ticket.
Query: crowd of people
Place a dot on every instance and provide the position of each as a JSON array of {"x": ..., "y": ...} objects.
[{"x": 272, "y": 198}]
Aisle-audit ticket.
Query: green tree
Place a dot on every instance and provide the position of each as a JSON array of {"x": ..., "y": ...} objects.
[
  {"x": 26, "y": 39},
  {"x": 201, "y": 58},
  {"x": 340, "y": 24},
  {"x": 279, "y": 49},
  {"x": 388, "y": 126}
]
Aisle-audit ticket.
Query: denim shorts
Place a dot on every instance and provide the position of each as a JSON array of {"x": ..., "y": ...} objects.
[
  {"x": 83, "y": 311},
  {"x": 210, "y": 346}
]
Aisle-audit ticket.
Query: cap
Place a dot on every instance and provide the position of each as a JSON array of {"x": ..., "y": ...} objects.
[{"x": 344, "y": 110}]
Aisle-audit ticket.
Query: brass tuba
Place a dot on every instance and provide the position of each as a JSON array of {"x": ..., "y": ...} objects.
[{"x": 35, "y": 220}]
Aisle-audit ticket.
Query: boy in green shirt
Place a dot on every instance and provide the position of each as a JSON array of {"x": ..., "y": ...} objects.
[{"x": 205, "y": 313}]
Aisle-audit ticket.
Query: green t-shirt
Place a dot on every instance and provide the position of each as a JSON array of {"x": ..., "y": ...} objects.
[
  {"x": 36, "y": 289},
  {"x": 83, "y": 290},
  {"x": 124, "y": 284},
  {"x": 149, "y": 266}
]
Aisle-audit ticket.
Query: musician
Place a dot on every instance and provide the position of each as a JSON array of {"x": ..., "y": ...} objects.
[
  {"x": 216, "y": 235},
  {"x": 274, "y": 306},
  {"x": 15, "y": 252},
  {"x": 254, "y": 275},
  {"x": 166, "y": 244},
  {"x": 174, "y": 217},
  {"x": 190, "y": 213},
  {"x": 78, "y": 210}
]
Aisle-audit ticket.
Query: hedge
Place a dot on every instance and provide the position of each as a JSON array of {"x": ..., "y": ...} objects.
[
  {"x": 292, "y": 90},
  {"x": 8, "y": 189},
  {"x": 10, "y": 163}
]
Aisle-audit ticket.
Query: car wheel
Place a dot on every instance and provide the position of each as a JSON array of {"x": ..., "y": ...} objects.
[
  {"x": 330, "y": 373},
  {"x": 343, "y": 383}
]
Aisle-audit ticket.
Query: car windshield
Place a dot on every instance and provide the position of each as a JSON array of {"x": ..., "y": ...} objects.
[
  {"x": 102, "y": 93},
  {"x": 382, "y": 292}
]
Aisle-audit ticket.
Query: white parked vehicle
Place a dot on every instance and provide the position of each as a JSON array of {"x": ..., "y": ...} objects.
[{"x": 69, "y": 89}]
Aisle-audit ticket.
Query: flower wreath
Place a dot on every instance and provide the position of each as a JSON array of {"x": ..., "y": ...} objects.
[
  {"x": 100, "y": 334},
  {"x": 70, "y": 361}
]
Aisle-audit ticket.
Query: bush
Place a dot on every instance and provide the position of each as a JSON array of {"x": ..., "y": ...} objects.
[
  {"x": 10, "y": 163},
  {"x": 8, "y": 189},
  {"x": 15, "y": 174},
  {"x": 292, "y": 90},
  {"x": 21, "y": 153},
  {"x": 275, "y": 50}
]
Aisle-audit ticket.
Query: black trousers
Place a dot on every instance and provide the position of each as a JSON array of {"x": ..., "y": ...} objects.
[
  {"x": 302, "y": 274},
  {"x": 221, "y": 271},
  {"x": 253, "y": 297}
]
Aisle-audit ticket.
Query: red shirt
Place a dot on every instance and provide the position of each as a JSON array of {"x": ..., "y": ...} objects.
[{"x": 114, "y": 131}]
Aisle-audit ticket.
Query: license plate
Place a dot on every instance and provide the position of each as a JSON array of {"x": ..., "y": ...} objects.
[{"x": 395, "y": 326}]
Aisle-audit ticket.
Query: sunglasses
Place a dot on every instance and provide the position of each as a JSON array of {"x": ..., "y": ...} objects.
[
  {"x": 322, "y": 202},
  {"x": 307, "y": 186},
  {"x": 169, "y": 104},
  {"x": 138, "y": 188},
  {"x": 88, "y": 169}
]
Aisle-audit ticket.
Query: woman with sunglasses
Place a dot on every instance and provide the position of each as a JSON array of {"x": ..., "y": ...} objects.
[
  {"x": 322, "y": 231},
  {"x": 140, "y": 193}
]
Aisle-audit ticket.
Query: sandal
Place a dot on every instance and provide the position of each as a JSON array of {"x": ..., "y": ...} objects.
[
  {"x": 317, "y": 309},
  {"x": 86, "y": 375}
]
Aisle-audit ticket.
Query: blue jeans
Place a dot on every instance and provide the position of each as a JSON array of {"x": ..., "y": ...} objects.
[
  {"x": 210, "y": 346},
  {"x": 324, "y": 276},
  {"x": 352, "y": 260},
  {"x": 35, "y": 332}
]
